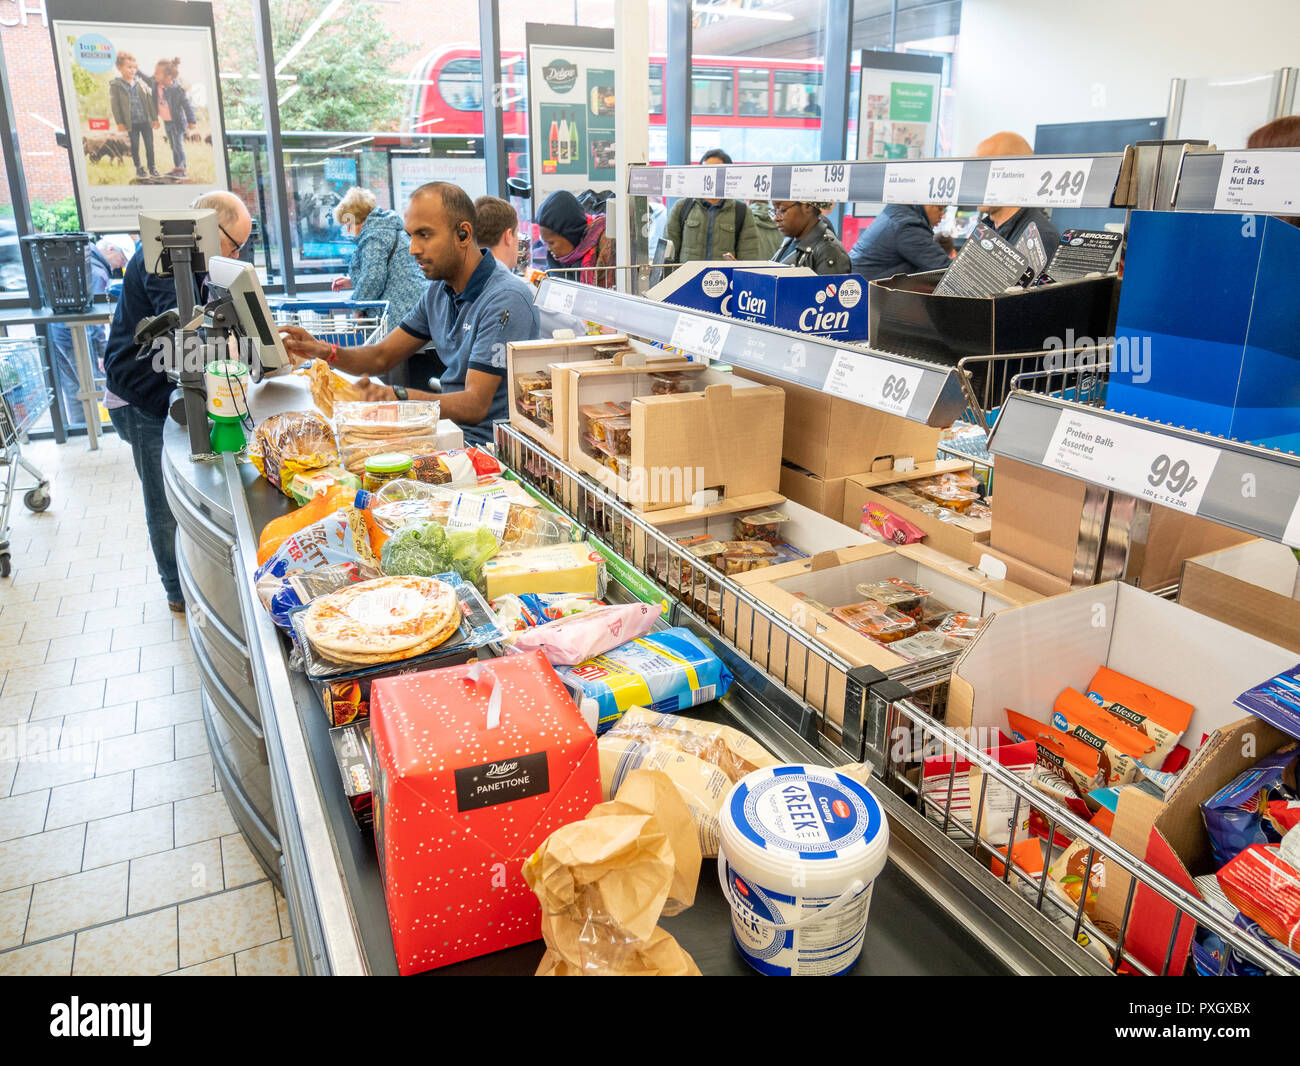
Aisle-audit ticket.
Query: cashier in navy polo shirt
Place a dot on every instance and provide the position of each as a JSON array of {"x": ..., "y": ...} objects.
[{"x": 473, "y": 309}]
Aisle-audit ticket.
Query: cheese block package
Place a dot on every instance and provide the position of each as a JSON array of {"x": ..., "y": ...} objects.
[
  {"x": 1162, "y": 717},
  {"x": 667, "y": 671},
  {"x": 578, "y": 568},
  {"x": 703, "y": 760},
  {"x": 474, "y": 766}
]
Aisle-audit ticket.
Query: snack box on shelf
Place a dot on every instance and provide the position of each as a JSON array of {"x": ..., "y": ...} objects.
[
  {"x": 907, "y": 317},
  {"x": 833, "y": 306},
  {"x": 830, "y": 438},
  {"x": 806, "y": 592},
  {"x": 958, "y": 535},
  {"x": 722, "y": 439},
  {"x": 1023, "y": 658},
  {"x": 1038, "y": 515},
  {"x": 1253, "y": 586},
  {"x": 474, "y": 766},
  {"x": 351, "y": 745},
  {"x": 823, "y": 495},
  {"x": 539, "y": 357}
]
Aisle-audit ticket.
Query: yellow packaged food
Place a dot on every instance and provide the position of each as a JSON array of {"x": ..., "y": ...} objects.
[{"x": 575, "y": 568}]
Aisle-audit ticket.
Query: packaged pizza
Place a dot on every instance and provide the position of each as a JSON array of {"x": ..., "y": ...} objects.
[
  {"x": 763, "y": 525},
  {"x": 459, "y": 466},
  {"x": 742, "y": 556},
  {"x": 959, "y": 626},
  {"x": 904, "y": 596},
  {"x": 292, "y": 443},
  {"x": 882, "y": 624},
  {"x": 883, "y": 524},
  {"x": 283, "y": 594}
]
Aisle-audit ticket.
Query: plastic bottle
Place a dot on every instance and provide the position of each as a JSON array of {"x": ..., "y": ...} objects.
[{"x": 278, "y": 530}]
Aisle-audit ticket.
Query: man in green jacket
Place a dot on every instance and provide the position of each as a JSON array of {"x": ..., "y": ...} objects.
[{"x": 712, "y": 229}]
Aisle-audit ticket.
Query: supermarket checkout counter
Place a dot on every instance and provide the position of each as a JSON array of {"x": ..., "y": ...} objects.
[{"x": 275, "y": 765}]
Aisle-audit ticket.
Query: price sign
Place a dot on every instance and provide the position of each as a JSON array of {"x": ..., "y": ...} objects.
[
  {"x": 1268, "y": 182},
  {"x": 1132, "y": 460},
  {"x": 691, "y": 181},
  {"x": 820, "y": 182},
  {"x": 1044, "y": 182},
  {"x": 560, "y": 298},
  {"x": 922, "y": 183},
  {"x": 748, "y": 183},
  {"x": 700, "y": 336},
  {"x": 873, "y": 382}
]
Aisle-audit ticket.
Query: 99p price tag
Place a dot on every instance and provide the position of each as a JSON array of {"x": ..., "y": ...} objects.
[
  {"x": 823, "y": 182},
  {"x": 873, "y": 382},
  {"x": 748, "y": 183},
  {"x": 922, "y": 183},
  {"x": 699, "y": 336},
  {"x": 1037, "y": 182}
]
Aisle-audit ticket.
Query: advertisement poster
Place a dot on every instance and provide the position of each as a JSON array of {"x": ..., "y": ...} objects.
[
  {"x": 142, "y": 108},
  {"x": 899, "y": 101},
  {"x": 316, "y": 192},
  {"x": 412, "y": 171},
  {"x": 571, "y": 96}
]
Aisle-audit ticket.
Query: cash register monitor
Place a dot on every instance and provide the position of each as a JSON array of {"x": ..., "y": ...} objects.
[{"x": 238, "y": 280}]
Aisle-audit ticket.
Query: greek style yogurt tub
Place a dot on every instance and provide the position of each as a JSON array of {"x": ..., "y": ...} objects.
[{"x": 800, "y": 847}]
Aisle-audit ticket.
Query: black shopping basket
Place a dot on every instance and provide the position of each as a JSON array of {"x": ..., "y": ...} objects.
[{"x": 63, "y": 269}]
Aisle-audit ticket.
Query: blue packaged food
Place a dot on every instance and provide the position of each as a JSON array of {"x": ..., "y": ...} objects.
[
  {"x": 667, "y": 671},
  {"x": 1236, "y": 815}
]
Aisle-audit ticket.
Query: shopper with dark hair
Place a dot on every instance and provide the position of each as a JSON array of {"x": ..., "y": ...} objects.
[
  {"x": 1280, "y": 133},
  {"x": 577, "y": 246},
  {"x": 711, "y": 228},
  {"x": 498, "y": 229},
  {"x": 809, "y": 239},
  {"x": 473, "y": 309},
  {"x": 900, "y": 241}
]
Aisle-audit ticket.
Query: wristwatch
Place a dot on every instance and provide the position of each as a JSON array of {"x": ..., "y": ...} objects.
[{"x": 399, "y": 391}]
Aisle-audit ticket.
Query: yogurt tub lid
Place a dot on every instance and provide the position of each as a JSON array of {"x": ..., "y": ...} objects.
[
  {"x": 808, "y": 816},
  {"x": 388, "y": 463}
]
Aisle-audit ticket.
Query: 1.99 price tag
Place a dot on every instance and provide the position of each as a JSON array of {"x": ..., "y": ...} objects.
[{"x": 822, "y": 183}]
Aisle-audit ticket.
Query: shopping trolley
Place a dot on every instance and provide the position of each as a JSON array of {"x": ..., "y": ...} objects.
[
  {"x": 24, "y": 398},
  {"x": 347, "y": 323}
]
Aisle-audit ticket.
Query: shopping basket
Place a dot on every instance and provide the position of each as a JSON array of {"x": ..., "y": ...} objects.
[
  {"x": 347, "y": 323},
  {"x": 24, "y": 398},
  {"x": 63, "y": 270}
]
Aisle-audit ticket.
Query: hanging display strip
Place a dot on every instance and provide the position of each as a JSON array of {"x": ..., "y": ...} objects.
[
  {"x": 1266, "y": 181},
  {"x": 1036, "y": 181},
  {"x": 923, "y": 392},
  {"x": 1252, "y": 489}
]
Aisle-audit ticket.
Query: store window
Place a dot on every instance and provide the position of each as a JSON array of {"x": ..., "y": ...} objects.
[
  {"x": 711, "y": 91},
  {"x": 12, "y": 280},
  {"x": 798, "y": 94},
  {"x": 656, "y": 89},
  {"x": 755, "y": 91},
  {"x": 460, "y": 84}
]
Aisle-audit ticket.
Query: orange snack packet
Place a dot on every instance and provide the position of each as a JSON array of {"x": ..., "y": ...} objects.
[
  {"x": 1085, "y": 765},
  {"x": 1162, "y": 717},
  {"x": 1125, "y": 747}
]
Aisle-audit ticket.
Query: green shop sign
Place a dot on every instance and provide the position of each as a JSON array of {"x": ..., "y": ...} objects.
[{"x": 910, "y": 103}]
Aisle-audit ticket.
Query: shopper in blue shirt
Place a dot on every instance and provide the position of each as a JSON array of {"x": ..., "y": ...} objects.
[{"x": 473, "y": 309}]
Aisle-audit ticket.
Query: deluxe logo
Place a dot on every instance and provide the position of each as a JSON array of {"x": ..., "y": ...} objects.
[
  {"x": 502, "y": 782},
  {"x": 811, "y": 320},
  {"x": 131, "y": 1020},
  {"x": 502, "y": 769},
  {"x": 741, "y": 887},
  {"x": 749, "y": 304},
  {"x": 560, "y": 75},
  {"x": 841, "y": 808}
]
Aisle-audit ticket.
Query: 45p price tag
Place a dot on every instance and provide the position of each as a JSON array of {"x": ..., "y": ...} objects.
[
  {"x": 1041, "y": 182},
  {"x": 873, "y": 382},
  {"x": 820, "y": 183},
  {"x": 700, "y": 336},
  {"x": 748, "y": 183},
  {"x": 922, "y": 183}
]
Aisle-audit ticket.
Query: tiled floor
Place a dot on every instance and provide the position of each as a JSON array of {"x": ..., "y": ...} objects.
[{"x": 118, "y": 854}]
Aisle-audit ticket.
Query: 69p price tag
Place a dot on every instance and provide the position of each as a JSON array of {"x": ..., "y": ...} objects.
[
  {"x": 872, "y": 382},
  {"x": 1042, "y": 182},
  {"x": 748, "y": 183},
  {"x": 700, "y": 336}
]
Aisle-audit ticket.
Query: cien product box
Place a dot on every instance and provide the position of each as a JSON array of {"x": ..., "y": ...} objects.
[
  {"x": 707, "y": 286},
  {"x": 474, "y": 766},
  {"x": 833, "y": 306}
]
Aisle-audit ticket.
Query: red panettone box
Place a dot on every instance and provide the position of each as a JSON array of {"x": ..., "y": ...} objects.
[{"x": 474, "y": 766}]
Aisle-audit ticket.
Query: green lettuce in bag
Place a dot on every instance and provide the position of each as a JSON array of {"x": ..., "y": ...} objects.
[{"x": 426, "y": 548}]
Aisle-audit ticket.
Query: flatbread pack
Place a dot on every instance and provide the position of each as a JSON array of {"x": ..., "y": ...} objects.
[{"x": 383, "y": 620}]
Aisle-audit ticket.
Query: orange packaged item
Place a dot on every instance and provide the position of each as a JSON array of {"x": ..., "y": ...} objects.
[
  {"x": 1026, "y": 857},
  {"x": 873, "y": 619},
  {"x": 1125, "y": 746},
  {"x": 1162, "y": 717},
  {"x": 1266, "y": 889},
  {"x": 901, "y": 595},
  {"x": 1087, "y": 767},
  {"x": 959, "y": 626},
  {"x": 1071, "y": 876},
  {"x": 278, "y": 530}
]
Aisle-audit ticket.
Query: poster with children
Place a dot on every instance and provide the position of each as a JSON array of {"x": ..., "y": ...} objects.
[{"x": 143, "y": 115}]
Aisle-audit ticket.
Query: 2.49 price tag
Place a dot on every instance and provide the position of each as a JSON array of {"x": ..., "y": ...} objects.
[
  {"x": 1042, "y": 182},
  {"x": 699, "y": 336},
  {"x": 873, "y": 382}
]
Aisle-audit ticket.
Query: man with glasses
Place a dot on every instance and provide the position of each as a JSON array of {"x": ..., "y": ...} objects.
[
  {"x": 139, "y": 390},
  {"x": 809, "y": 239}
]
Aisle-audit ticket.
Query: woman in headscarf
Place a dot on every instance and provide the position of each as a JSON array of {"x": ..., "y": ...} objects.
[{"x": 576, "y": 244}]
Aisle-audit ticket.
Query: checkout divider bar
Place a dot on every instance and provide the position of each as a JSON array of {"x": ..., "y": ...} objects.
[
  {"x": 915, "y": 389},
  {"x": 325, "y": 932}
]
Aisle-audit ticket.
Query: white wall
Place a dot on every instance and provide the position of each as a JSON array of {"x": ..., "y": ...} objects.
[{"x": 1025, "y": 62}]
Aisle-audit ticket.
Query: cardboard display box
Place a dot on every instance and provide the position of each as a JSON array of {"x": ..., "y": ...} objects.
[
  {"x": 831, "y": 438},
  {"x": 556, "y": 357},
  {"x": 1001, "y": 566},
  {"x": 962, "y": 539},
  {"x": 724, "y": 437},
  {"x": 1037, "y": 514},
  {"x": 906, "y": 317},
  {"x": 832, "y": 578},
  {"x": 1253, "y": 586},
  {"x": 830, "y": 305},
  {"x": 1024, "y": 658},
  {"x": 823, "y": 495}
]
